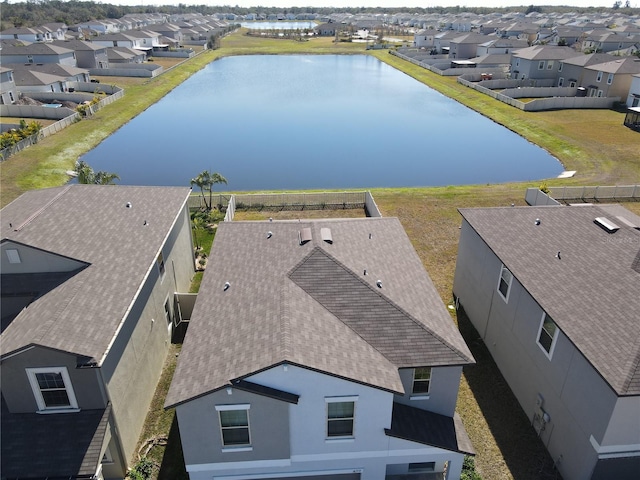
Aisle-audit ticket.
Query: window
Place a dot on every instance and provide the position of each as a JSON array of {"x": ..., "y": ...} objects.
[
  {"x": 13, "y": 255},
  {"x": 340, "y": 416},
  {"x": 422, "y": 467},
  {"x": 234, "y": 425},
  {"x": 541, "y": 65},
  {"x": 610, "y": 79},
  {"x": 572, "y": 83},
  {"x": 421, "y": 380},
  {"x": 52, "y": 389},
  {"x": 560, "y": 66},
  {"x": 600, "y": 93},
  {"x": 599, "y": 77},
  {"x": 549, "y": 64},
  {"x": 547, "y": 334},
  {"x": 517, "y": 62},
  {"x": 560, "y": 81},
  {"x": 504, "y": 285},
  {"x": 160, "y": 262}
]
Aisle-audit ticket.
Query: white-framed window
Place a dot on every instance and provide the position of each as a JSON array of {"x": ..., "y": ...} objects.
[
  {"x": 610, "y": 79},
  {"x": 541, "y": 65},
  {"x": 421, "y": 381},
  {"x": 504, "y": 283},
  {"x": 234, "y": 425},
  {"x": 340, "y": 416},
  {"x": 517, "y": 62},
  {"x": 599, "y": 77},
  {"x": 52, "y": 389},
  {"x": 561, "y": 81},
  {"x": 600, "y": 93},
  {"x": 547, "y": 335},
  {"x": 572, "y": 83},
  {"x": 13, "y": 255},
  {"x": 560, "y": 66},
  {"x": 550, "y": 65}
]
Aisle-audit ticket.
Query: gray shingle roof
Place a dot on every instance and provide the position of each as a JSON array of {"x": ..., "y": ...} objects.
[
  {"x": 592, "y": 292},
  {"x": 89, "y": 223},
  {"x": 429, "y": 428},
  {"x": 67, "y": 446},
  {"x": 311, "y": 305}
]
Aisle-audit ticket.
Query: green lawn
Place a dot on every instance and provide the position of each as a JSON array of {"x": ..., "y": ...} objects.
[{"x": 593, "y": 142}]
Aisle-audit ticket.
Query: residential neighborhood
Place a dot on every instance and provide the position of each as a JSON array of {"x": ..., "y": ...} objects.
[{"x": 317, "y": 340}]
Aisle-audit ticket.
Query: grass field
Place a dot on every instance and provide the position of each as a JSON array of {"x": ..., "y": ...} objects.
[{"x": 592, "y": 142}]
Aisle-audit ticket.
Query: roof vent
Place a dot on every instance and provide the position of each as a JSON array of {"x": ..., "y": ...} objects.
[
  {"x": 379, "y": 283},
  {"x": 537, "y": 221},
  {"x": 128, "y": 205},
  {"x": 304, "y": 235},
  {"x": 606, "y": 224},
  {"x": 325, "y": 233},
  {"x": 269, "y": 234},
  {"x": 226, "y": 286}
]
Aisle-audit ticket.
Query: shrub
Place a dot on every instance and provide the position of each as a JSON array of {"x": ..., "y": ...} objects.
[
  {"x": 469, "y": 469},
  {"x": 141, "y": 470}
]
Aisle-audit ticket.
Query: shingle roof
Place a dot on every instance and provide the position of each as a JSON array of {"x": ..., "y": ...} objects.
[
  {"x": 89, "y": 223},
  {"x": 591, "y": 292},
  {"x": 429, "y": 428},
  {"x": 66, "y": 447},
  {"x": 311, "y": 305}
]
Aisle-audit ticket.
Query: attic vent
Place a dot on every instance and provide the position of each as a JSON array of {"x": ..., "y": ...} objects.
[
  {"x": 628, "y": 222},
  {"x": 606, "y": 224},
  {"x": 325, "y": 233},
  {"x": 304, "y": 235}
]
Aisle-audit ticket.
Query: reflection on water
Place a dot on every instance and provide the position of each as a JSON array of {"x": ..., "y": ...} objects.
[{"x": 270, "y": 122}]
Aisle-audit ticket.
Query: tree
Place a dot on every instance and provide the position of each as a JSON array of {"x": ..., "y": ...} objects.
[
  {"x": 205, "y": 181},
  {"x": 86, "y": 175}
]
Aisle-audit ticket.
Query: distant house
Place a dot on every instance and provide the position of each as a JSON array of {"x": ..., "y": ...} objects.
[
  {"x": 88, "y": 54},
  {"x": 8, "y": 91},
  {"x": 26, "y": 34},
  {"x": 633, "y": 100},
  {"x": 89, "y": 275},
  {"x": 500, "y": 46},
  {"x": 571, "y": 70},
  {"x": 125, "y": 55},
  {"x": 319, "y": 349},
  {"x": 553, "y": 293},
  {"x": 38, "y": 53},
  {"x": 424, "y": 38},
  {"x": 540, "y": 62},
  {"x": 466, "y": 46},
  {"x": 46, "y": 77},
  {"x": 327, "y": 29},
  {"x": 611, "y": 79}
]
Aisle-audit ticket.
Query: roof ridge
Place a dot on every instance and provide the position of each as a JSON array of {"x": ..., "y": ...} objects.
[
  {"x": 379, "y": 294},
  {"x": 285, "y": 326},
  {"x": 633, "y": 377}
]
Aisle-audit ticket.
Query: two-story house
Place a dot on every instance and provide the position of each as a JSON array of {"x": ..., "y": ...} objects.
[
  {"x": 554, "y": 293},
  {"x": 611, "y": 79},
  {"x": 88, "y": 54},
  {"x": 571, "y": 70},
  {"x": 540, "y": 62},
  {"x": 8, "y": 91},
  {"x": 89, "y": 275},
  {"x": 319, "y": 349},
  {"x": 38, "y": 53}
]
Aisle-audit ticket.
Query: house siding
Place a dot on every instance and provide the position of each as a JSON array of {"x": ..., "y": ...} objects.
[
  {"x": 134, "y": 363},
  {"x": 33, "y": 260},
  {"x": 17, "y": 391},
  {"x": 443, "y": 390},
  {"x": 201, "y": 435},
  {"x": 579, "y": 402}
]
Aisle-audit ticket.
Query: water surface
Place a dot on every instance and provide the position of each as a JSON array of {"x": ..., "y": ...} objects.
[{"x": 276, "y": 122}]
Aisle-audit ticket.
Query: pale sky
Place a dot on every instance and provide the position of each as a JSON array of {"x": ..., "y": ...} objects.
[{"x": 382, "y": 3}]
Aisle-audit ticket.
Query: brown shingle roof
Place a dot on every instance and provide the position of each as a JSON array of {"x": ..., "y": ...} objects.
[
  {"x": 89, "y": 223},
  {"x": 592, "y": 292},
  {"x": 311, "y": 305}
]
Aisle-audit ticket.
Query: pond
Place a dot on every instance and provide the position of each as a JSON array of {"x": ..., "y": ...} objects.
[{"x": 291, "y": 122}]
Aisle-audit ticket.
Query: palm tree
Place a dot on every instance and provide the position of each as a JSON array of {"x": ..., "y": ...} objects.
[
  {"x": 203, "y": 180},
  {"x": 86, "y": 175},
  {"x": 206, "y": 180}
]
